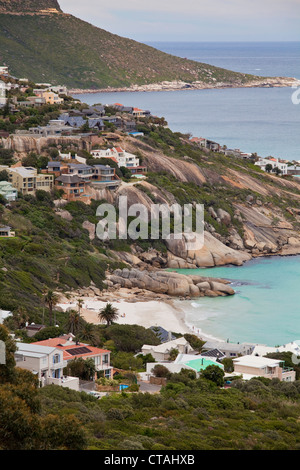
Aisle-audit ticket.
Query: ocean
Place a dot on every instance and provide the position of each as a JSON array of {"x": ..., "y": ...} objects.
[
  {"x": 265, "y": 308},
  {"x": 261, "y": 120}
]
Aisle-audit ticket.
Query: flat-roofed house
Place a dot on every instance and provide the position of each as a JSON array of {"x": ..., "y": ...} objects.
[
  {"x": 258, "y": 366},
  {"x": 8, "y": 191},
  {"x": 27, "y": 180}
]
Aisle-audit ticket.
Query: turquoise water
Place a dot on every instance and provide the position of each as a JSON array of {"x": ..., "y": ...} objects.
[{"x": 265, "y": 308}]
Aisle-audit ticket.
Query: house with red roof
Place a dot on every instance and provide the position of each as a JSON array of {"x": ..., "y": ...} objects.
[{"x": 74, "y": 350}]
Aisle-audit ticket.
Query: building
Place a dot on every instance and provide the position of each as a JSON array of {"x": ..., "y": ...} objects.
[
  {"x": 27, "y": 180},
  {"x": 73, "y": 186},
  {"x": 56, "y": 127},
  {"x": 162, "y": 351},
  {"x": 46, "y": 362},
  {"x": 274, "y": 162},
  {"x": 3, "y": 99},
  {"x": 3, "y": 315},
  {"x": 6, "y": 232},
  {"x": 74, "y": 350},
  {"x": 33, "y": 329},
  {"x": 49, "y": 96},
  {"x": 8, "y": 191},
  {"x": 293, "y": 170},
  {"x": 250, "y": 366},
  {"x": 123, "y": 159},
  {"x": 229, "y": 349}
]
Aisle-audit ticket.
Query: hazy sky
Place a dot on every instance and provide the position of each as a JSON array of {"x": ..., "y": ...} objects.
[{"x": 192, "y": 20}]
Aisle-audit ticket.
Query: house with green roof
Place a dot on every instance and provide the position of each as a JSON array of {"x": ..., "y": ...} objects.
[{"x": 8, "y": 191}]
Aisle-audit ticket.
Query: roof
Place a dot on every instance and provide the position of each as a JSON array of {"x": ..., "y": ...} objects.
[
  {"x": 257, "y": 361},
  {"x": 35, "y": 348},
  {"x": 72, "y": 350},
  {"x": 165, "y": 347},
  {"x": 202, "y": 363},
  {"x": 213, "y": 353},
  {"x": 224, "y": 346},
  {"x": 69, "y": 179}
]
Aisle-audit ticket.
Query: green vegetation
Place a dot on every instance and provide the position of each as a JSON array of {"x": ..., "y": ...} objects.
[{"x": 70, "y": 51}]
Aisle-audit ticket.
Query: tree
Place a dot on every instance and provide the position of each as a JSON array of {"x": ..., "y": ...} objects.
[
  {"x": 73, "y": 322},
  {"x": 269, "y": 168},
  {"x": 51, "y": 299},
  {"x": 214, "y": 374},
  {"x": 87, "y": 333},
  {"x": 79, "y": 305},
  {"x": 109, "y": 313},
  {"x": 161, "y": 371},
  {"x": 195, "y": 342},
  {"x": 173, "y": 354}
]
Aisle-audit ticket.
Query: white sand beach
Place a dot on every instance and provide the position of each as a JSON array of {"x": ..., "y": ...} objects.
[{"x": 147, "y": 314}]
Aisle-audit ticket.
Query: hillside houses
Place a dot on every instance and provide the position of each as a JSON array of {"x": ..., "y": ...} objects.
[{"x": 123, "y": 159}]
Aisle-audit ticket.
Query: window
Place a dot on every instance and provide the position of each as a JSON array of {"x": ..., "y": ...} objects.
[{"x": 56, "y": 359}]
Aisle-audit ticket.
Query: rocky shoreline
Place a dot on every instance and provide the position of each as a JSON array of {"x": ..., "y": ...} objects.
[{"x": 262, "y": 82}]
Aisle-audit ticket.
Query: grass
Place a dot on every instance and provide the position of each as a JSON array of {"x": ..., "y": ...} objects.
[{"x": 70, "y": 51}]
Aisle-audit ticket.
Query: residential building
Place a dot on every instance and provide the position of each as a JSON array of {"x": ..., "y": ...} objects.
[
  {"x": 27, "y": 180},
  {"x": 274, "y": 162},
  {"x": 74, "y": 350},
  {"x": 49, "y": 96},
  {"x": 73, "y": 186},
  {"x": 162, "y": 351},
  {"x": 229, "y": 349},
  {"x": 184, "y": 361},
  {"x": 3, "y": 99},
  {"x": 293, "y": 170},
  {"x": 250, "y": 366},
  {"x": 56, "y": 127},
  {"x": 6, "y": 232},
  {"x": 8, "y": 191},
  {"x": 123, "y": 158},
  {"x": 33, "y": 329},
  {"x": 4, "y": 314},
  {"x": 46, "y": 362}
]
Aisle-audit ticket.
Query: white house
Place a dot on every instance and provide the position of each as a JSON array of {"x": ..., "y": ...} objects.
[
  {"x": 162, "y": 351},
  {"x": 46, "y": 363},
  {"x": 118, "y": 154},
  {"x": 4, "y": 314},
  {"x": 274, "y": 162}
]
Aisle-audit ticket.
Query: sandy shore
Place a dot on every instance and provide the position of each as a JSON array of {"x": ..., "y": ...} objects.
[{"x": 152, "y": 313}]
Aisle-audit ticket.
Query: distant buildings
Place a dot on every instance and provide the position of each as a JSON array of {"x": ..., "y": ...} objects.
[
  {"x": 26, "y": 180},
  {"x": 5, "y": 232},
  {"x": 49, "y": 96},
  {"x": 122, "y": 158},
  {"x": 8, "y": 191},
  {"x": 272, "y": 162}
]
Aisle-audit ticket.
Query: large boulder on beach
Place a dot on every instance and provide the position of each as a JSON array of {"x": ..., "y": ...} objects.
[{"x": 170, "y": 283}]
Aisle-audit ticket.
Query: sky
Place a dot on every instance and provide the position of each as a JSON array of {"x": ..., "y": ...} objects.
[{"x": 192, "y": 20}]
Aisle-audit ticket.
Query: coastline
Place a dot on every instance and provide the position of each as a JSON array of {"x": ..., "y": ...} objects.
[
  {"x": 264, "y": 82},
  {"x": 165, "y": 312}
]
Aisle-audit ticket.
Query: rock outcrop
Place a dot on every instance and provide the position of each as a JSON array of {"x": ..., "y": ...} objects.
[
  {"x": 169, "y": 283},
  {"x": 213, "y": 253}
]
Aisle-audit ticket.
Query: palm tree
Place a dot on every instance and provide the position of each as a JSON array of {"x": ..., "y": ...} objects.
[
  {"x": 51, "y": 299},
  {"x": 73, "y": 322},
  {"x": 79, "y": 305},
  {"x": 109, "y": 313},
  {"x": 87, "y": 333}
]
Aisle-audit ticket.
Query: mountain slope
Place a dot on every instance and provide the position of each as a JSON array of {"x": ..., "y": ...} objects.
[{"x": 64, "y": 49}]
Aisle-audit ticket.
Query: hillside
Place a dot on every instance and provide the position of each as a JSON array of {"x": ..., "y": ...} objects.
[{"x": 72, "y": 52}]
